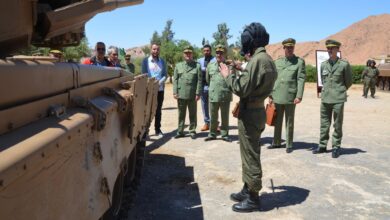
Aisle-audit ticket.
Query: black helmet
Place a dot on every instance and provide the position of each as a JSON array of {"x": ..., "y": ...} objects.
[{"x": 253, "y": 36}]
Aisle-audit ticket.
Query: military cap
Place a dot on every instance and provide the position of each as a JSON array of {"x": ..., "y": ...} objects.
[
  {"x": 188, "y": 49},
  {"x": 55, "y": 51},
  {"x": 332, "y": 43},
  {"x": 289, "y": 42},
  {"x": 220, "y": 48}
]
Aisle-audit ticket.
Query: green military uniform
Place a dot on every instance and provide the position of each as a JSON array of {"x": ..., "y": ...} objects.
[
  {"x": 288, "y": 86},
  {"x": 219, "y": 97},
  {"x": 336, "y": 78},
  {"x": 187, "y": 84},
  {"x": 369, "y": 77},
  {"x": 253, "y": 86},
  {"x": 130, "y": 67}
]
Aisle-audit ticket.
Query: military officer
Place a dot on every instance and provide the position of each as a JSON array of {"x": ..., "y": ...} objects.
[
  {"x": 219, "y": 97},
  {"x": 287, "y": 92},
  {"x": 336, "y": 77},
  {"x": 253, "y": 86},
  {"x": 369, "y": 77},
  {"x": 187, "y": 86},
  {"x": 129, "y": 66}
]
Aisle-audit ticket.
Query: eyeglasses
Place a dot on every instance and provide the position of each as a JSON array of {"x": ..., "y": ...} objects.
[
  {"x": 114, "y": 54},
  {"x": 101, "y": 49},
  {"x": 127, "y": 58}
]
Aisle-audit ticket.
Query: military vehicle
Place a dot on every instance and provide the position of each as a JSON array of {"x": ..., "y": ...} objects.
[
  {"x": 71, "y": 135},
  {"x": 384, "y": 72}
]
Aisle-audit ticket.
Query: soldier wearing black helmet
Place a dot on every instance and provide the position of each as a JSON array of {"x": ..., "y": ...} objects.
[
  {"x": 253, "y": 86},
  {"x": 369, "y": 78}
]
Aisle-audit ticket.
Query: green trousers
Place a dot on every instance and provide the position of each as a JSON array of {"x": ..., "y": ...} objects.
[
  {"x": 214, "y": 108},
  {"x": 183, "y": 104},
  {"x": 327, "y": 110},
  {"x": 369, "y": 83},
  {"x": 251, "y": 122},
  {"x": 289, "y": 111}
]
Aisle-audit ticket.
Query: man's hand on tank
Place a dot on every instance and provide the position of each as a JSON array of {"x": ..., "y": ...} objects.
[
  {"x": 197, "y": 98},
  {"x": 175, "y": 96}
]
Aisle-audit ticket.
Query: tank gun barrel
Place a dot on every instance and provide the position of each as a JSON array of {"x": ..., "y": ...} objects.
[{"x": 49, "y": 23}]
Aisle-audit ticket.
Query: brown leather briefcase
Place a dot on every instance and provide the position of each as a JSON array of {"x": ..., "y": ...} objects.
[{"x": 270, "y": 111}]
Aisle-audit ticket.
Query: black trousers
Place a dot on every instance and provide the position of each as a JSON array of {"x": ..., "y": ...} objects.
[{"x": 157, "y": 119}]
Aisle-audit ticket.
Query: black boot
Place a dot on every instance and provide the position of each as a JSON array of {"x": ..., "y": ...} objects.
[
  {"x": 336, "y": 152},
  {"x": 240, "y": 196},
  {"x": 249, "y": 204}
]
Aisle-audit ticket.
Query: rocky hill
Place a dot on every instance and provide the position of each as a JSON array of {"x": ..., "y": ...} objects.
[{"x": 362, "y": 40}]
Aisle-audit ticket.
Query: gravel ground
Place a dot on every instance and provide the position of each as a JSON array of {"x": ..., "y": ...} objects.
[{"x": 192, "y": 179}]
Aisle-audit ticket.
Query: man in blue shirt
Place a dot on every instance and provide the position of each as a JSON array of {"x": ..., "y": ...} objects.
[
  {"x": 208, "y": 58},
  {"x": 154, "y": 66}
]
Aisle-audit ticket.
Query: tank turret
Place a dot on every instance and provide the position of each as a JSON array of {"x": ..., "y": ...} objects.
[{"x": 49, "y": 23}]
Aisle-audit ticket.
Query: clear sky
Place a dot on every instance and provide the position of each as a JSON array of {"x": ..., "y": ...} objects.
[{"x": 304, "y": 20}]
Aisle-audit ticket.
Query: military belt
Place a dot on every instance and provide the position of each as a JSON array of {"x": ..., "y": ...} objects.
[{"x": 252, "y": 104}]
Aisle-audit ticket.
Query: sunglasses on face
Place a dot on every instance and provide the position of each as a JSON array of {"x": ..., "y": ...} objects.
[{"x": 115, "y": 54}]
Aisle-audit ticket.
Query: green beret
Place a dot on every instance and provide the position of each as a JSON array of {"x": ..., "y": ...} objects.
[
  {"x": 220, "y": 48},
  {"x": 332, "y": 43},
  {"x": 188, "y": 49},
  {"x": 289, "y": 42}
]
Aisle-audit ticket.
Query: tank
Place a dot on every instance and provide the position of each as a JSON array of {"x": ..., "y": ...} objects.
[
  {"x": 384, "y": 75},
  {"x": 72, "y": 136}
]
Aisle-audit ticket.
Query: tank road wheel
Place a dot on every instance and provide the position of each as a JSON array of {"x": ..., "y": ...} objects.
[
  {"x": 113, "y": 212},
  {"x": 126, "y": 185},
  {"x": 133, "y": 177}
]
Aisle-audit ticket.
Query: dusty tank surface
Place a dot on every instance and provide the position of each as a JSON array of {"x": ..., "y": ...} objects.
[{"x": 71, "y": 136}]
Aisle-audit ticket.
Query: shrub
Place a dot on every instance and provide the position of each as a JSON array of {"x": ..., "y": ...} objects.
[{"x": 311, "y": 73}]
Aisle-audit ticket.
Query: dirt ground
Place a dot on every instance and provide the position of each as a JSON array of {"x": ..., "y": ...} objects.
[{"x": 192, "y": 179}]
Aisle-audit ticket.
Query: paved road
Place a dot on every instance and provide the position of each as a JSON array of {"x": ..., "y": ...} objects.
[{"x": 192, "y": 179}]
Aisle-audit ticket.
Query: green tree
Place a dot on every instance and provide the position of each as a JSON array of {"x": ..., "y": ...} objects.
[
  {"x": 204, "y": 41},
  {"x": 33, "y": 51},
  {"x": 137, "y": 64},
  {"x": 155, "y": 38},
  {"x": 311, "y": 73},
  {"x": 167, "y": 34},
  {"x": 221, "y": 37},
  {"x": 69, "y": 53},
  {"x": 357, "y": 73},
  {"x": 171, "y": 50},
  {"x": 76, "y": 53},
  {"x": 146, "y": 50}
]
